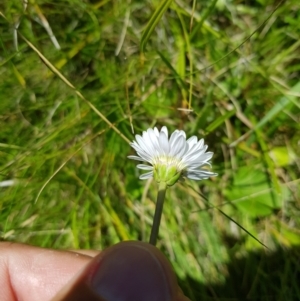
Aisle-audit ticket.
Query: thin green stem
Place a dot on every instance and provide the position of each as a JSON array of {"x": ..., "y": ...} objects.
[{"x": 158, "y": 212}]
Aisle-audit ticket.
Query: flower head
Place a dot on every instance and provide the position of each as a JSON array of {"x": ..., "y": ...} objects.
[{"x": 171, "y": 158}]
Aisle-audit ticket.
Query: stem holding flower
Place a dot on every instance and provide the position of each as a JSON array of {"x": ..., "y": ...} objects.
[{"x": 158, "y": 212}]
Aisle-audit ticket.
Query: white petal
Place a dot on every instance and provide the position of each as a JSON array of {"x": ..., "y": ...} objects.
[
  {"x": 191, "y": 141},
  {"x": 200, "y": 143},
  {"x": 200, "y": 174},
  {"x": 147, "y": 175},
  {"x": 196, "y": 147},
  {"x": 184, "y": 148},
  {"x": 163, "y": 142},
  {"x": 145, "y": 156},
  {"x": 173, "y": 137},
  {"x": 177, "y": 145},
  {"x": 152, "y": 150},
  {"x": 207, "y": 156},
  {"x": 154, "y": 140},
  {"x": 141, "y": 143},
  {"x": 197, "y": 165},
  {"x": 178, "y": 139},
  {"x": 141, "y": 152},
  {"x": 135, "y": 146},
  {"x": 144, "y": 167},
  {"x": 196, "y": 177},
  {"x": 164, "y": 130},
  {"x": 199, "y": 158},
  {"x": 194, "y": 153},
  {"x": 145, "y": 144},
  {"x": 182, "y": 133},
  {"x": 135, "y": 158},
  {"x": 193, "y": 176},
  {"x": 156, "y": 132}
]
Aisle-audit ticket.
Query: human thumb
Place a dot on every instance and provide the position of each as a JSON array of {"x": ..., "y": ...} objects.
[{"x": 127, "y": 271}]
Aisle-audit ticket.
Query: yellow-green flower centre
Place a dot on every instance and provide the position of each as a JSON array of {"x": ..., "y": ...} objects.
[{"x": 167, "y": 169}]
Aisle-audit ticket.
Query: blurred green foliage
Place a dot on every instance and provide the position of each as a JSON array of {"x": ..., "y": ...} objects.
[{"x": 227, "y": 71}]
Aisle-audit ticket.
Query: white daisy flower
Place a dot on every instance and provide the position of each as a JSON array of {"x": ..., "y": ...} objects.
[{"x": 171, "y": 158}]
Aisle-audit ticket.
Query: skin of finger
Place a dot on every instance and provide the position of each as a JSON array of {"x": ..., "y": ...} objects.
[
  {"x": 91, "y": 253},
  {"x": 79, "y": 286},
  {"x": 33, "y": 274}
]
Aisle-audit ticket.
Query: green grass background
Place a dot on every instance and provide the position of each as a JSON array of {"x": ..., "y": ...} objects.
[{"x": 80, "y": 78}]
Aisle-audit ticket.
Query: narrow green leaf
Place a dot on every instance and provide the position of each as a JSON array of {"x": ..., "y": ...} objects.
[
  {"x": 178, "y": 78},
  {"x": 278, "y": 107},
  {"x": 153, "y": 22},
  {"x": 190, "y": 56},
  {"x": 268, "y": 161},
  {"x": 220, "y": 120},
  {"x": 283, "y": 102},
  {"x": 240, "y": 226},
  {"x": 204, "y": 17},
  {"x": 244, "y": 229}
]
